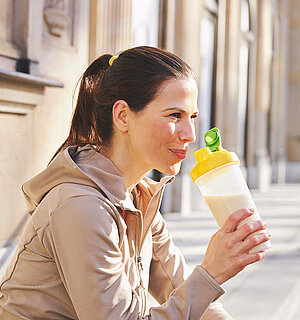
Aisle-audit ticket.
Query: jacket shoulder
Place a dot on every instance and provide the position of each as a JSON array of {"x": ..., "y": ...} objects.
[
  {"x": 76, "y": 198},
  {"x": 66, "y": 191}
]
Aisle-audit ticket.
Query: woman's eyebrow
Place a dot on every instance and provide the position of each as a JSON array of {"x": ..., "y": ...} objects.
[
  {"x": 179, "y": 109},
  {"x": 175, "y": 108}
]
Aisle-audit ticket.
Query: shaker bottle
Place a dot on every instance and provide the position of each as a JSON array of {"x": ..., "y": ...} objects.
[{"x": 220, "y": 180}]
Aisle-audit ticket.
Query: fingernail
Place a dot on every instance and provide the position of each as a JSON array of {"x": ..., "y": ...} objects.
[
  {"x": 264, "y": 225},
  {"x": 251, "y": 210},
  {"x": 269, "y": 235}
]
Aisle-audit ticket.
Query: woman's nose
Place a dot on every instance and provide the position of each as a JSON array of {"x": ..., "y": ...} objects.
[{"x": 187, "y": 133}]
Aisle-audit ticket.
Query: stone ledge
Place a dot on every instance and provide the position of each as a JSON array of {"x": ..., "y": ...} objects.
[{"x": 29, "y": 79}]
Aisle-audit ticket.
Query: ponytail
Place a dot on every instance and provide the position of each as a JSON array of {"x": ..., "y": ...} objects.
[{"x": 83, "y": 129}]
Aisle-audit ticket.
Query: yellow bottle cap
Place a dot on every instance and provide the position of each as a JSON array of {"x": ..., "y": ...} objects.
[
  {"x": 213, "y": 156},
  {"x": 207, "y": 161}
]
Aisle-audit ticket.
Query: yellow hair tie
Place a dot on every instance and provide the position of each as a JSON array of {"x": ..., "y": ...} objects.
[{"x": 112, "y": 59}]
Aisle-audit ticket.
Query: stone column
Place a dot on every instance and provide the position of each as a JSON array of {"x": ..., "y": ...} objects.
[
  {"x": 110, "y": 27},
  {"x": 228, "y": 72},
  {"x": 261, "y": 176},
  {"x": 293, "y": 110},
  {"x": 251, "y": 108},
  {"x": 187, "y": 46},
  {"x": 279, "y": 90},
  {"x": 188, "y": 32},
  {"x": 221, "y": 63},
  {"x": 170, "y": 25}
]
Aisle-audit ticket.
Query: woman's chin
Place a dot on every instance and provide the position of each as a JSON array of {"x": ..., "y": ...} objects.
[{"x": 174, "y": 169}]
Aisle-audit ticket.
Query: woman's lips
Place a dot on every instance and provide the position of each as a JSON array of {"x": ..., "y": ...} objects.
[{"x": 180, "y": 153}]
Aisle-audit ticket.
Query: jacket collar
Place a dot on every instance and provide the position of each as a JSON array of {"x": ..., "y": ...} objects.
[
  {"x": 107, "y": 177},
  {"x": 87, "y": 167}
]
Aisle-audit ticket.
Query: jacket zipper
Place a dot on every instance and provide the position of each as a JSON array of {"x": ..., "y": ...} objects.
[
  {"x": 139, "y": 262},
  {"x": 139, "y": 257}
]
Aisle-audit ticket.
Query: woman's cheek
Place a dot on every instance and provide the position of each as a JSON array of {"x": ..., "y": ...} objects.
[
  {"x": 170, "y": 128},
  {"x": 165, "y": 131}
]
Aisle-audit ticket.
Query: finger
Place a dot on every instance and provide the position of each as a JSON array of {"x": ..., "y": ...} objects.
[
  {"x": 248, "y": 228},
  {"x": 235, "y": 218},
  {"x": 255, "y": 240},
  {"x": 254, "y": 257},
  {"x": 246, "y": 259}
]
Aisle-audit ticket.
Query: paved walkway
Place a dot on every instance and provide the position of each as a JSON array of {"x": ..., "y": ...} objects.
[{"x": 269, "y": 289}]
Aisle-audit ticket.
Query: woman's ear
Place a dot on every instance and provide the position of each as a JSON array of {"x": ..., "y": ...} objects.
[{"x": 120, "y": 112}]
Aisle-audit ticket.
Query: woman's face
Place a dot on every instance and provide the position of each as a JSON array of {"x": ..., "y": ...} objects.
[{"x": 160, "y": 134}]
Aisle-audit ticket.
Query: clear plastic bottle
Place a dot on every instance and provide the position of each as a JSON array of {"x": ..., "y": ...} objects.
[{"x": 220, "y": 180}]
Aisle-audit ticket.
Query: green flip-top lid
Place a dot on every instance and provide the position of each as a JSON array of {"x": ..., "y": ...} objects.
[{"x": 213, "y": 156}]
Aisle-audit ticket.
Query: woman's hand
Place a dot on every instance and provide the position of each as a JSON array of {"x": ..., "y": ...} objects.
[{"x": 227, "y": 252}]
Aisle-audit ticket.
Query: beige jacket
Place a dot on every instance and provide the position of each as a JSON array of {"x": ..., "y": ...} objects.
[{"x": 91, "y": 252}]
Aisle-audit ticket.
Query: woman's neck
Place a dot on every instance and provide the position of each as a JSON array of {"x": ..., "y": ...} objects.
[{"x": 129, "y": 167}]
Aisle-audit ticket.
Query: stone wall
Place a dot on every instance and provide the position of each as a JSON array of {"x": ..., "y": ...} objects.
[{"x": 47, "y": 43}]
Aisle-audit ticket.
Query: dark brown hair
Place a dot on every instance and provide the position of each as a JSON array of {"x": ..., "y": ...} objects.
[{"x": 135, "y": 76}]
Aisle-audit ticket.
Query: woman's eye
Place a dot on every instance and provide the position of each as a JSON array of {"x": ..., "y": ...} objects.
[{"x": 176, "y": 115}]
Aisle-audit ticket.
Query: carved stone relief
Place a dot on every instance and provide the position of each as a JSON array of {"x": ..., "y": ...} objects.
[{"x": 58, "y": 18}]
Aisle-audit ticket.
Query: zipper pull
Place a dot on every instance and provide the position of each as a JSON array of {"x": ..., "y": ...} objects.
[
  {"x": 143, "y": 293},
  {"x": 139, "y": 261}
]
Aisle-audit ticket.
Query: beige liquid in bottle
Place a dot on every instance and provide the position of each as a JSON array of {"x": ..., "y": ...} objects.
[{"x": 222, "y": 206}]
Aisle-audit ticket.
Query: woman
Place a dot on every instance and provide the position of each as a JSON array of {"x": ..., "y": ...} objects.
[{"x": 96, "y": 243}]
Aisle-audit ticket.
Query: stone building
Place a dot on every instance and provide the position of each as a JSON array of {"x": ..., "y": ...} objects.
[{"x": 245, "y": 55}]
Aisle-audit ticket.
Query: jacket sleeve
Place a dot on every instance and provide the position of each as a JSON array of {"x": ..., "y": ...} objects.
[{"x": 169, "y": 271}]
